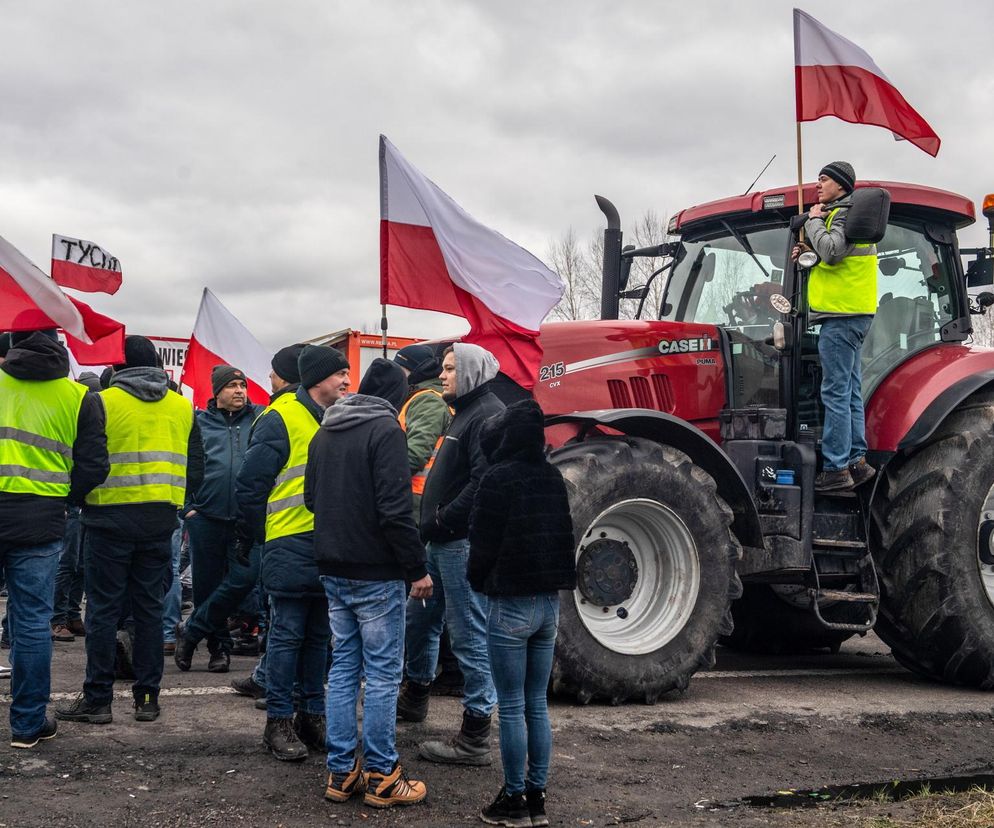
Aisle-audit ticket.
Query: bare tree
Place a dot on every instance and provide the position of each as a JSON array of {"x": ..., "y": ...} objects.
[
  {"x": 649, "y": 229},
  {"x": 581, "y": 297}
]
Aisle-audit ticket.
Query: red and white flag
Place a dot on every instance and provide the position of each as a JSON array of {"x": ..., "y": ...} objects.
[
  {"x": 435, "y": 256},
  {"x": 31, "y": 301},
  {"x": 220, "y": 339},
  {"x": 833, "y": 76},
  {"x": 84, "y": 266}
]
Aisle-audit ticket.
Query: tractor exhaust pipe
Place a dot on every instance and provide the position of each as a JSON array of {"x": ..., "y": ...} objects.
[{"x": 611, "y": 270}]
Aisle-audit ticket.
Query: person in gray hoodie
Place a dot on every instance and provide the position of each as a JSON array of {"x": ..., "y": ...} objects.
[{"x": 445, "y": 510}]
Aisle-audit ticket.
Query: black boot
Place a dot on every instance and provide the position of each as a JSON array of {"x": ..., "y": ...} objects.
[
  {"x": 220, "y": 662},
  {"x": 146, "y": 704},
  {"x": 412, "y": 703},
  {"x": 536, "y": 808},
  {"x": 184, "y": 649},
  {"x": 312, "y": 730},
  {"x": 470, "y": 746},
  {"x": 282, "y": 741},
  {"x": 509, "y": 810}
]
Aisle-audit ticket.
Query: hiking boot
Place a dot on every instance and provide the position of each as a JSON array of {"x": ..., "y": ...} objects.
[
  {"x": 248, "y": 686},
  {"x": 507, "y": 809},
  {"x": 184, "y": 649},
  {"x": 861, "y": 472},
  {"x": 384, "y": 790},
  {"x": 412, "y": 702},
  {"x": 82, "y": 710},
  {"x": 470, "y": 746},
  {"x": 219, "y": 662},
  {"x": 146, "y": 705},
  {"x": 76, "y": 627},
  {"x": 282, "y": 742},
  {"x": 29, "y": 740},
  {"x": 834, "y": 481},
  {"x": 60, "y": 632},
  {"x": 124, "y": 668},
  {"x": 312, "y": 730},
  {"x": 536, "y": 808},
  {"x": 342, "y": 786}
]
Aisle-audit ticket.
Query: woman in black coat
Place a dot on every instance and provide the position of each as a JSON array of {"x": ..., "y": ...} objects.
[{"x": 522, "y": 553}]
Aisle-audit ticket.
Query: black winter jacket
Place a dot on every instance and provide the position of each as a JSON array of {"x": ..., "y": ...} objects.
[
  {"x": 452, "y": 481},
  {"x": 31, "y": 520},
  {"x": 226, "y": 436},
  {"x": 521, "y": 533},
  {"x": 358, "y": 484}
]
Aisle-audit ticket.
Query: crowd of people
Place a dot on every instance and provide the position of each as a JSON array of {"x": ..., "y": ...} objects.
[{"x": 358, "y": 530}]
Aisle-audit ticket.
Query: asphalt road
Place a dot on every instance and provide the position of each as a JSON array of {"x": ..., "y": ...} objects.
[{"x": 751, "y": 726}]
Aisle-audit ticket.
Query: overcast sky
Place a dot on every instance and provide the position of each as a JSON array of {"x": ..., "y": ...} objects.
[{"x": 233, "y": 145}]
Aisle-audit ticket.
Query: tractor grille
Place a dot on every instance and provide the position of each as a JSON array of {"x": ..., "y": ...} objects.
[{"x": 654, "y": 391}]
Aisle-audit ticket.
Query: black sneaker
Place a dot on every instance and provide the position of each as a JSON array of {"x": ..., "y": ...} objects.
[
  {"x": 536, "y": 808},
  {"x": 282, "y": 741},
  {"x": 220, "y": 662},
  {"x": 82, "y": 710},
  {"x": 510, "y": 810},
  {"x": 47, "y": 731},
  {"x": 146, "y": 705},
  {"x": 248, "y": 686}
]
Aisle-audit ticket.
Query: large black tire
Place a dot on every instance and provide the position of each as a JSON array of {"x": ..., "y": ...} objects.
[
  {"x": 657, "y": 493},
  {"x": 765, "y": 622},
  {"x": 935, "y": 612}
]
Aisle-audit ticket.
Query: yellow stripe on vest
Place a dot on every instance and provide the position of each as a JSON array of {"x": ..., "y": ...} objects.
[{"x": 285, "y": 511}]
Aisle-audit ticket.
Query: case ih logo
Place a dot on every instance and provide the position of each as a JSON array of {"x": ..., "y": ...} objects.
[{"x": 686, "y": 346}]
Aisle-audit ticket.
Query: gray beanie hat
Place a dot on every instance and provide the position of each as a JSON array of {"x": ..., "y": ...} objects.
[{"x": 842, "y": 173}]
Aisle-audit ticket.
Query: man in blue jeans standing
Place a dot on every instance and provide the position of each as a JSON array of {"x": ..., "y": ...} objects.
[
  {"x": 358, "y": 484},
  {"x": 53, "y": 450},
  {"x": 842, "y": 297},
  {"x": 445, "y": 511}
]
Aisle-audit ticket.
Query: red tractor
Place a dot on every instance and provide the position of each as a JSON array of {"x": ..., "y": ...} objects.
[{"x": 690, "y": 447}]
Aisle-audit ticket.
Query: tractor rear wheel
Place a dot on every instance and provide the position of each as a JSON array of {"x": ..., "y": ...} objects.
[
  {"x": 655, "y": 571},
  {"x": 933, "y": 523}
]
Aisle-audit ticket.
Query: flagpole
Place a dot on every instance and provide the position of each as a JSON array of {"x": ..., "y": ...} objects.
[
  {"x": 383, "y": 327},
  {"x": 800, "y": 180}
]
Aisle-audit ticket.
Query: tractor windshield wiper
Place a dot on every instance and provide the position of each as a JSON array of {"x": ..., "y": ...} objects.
[{"x": 744, "y": 243}]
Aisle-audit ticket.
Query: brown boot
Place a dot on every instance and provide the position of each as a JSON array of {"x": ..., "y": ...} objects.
[
  {"x": 342, "y": 786},
  {"x": 60, "y": 632},
  {"x": 861, "y": 472},
  {"x": 834, "y": 481},
  {"x": 384, "y": 790}
]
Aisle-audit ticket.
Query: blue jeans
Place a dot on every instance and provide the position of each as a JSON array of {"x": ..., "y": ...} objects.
[
  {"x": 297, "y": 651},
  {"x": 172, "y": 609},
  {"x": 843, "y": 439},
  {"x": 367, "y": 626},
  {"x": 521, "y": 635},
  {"x": 120, "y": 573},
  {"x": 30, "y": 575},
  {"x": 69, "y": 578},
  {"x": 465, "y": 615}
]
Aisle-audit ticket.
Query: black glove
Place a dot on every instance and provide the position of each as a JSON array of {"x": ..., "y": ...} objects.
[{"x": 242, "y": 544}]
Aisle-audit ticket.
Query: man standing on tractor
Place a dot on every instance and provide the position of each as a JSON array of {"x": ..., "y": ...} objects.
[{"x": 842, "y": 298}]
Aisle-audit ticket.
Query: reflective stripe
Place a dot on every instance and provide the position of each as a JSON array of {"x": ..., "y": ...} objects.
[
  {"x": 147, "y": 479},
  {"x": 39, "y": 476},
  {"x": 28, "y": 438},
  {"x": 148, "y": 457},
  {"x": 291, "y": 473},
  {"x": 284, "y": 503}
]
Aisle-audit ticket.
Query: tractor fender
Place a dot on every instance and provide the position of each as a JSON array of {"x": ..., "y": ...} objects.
[
  {"x": 672, "y": 431},
  {"x": 909, "y": 404}
]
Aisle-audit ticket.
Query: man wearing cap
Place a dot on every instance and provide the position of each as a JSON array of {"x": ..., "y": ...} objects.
[
  {"x": 221, "y": 581},
  {"x": 270, "y": 490},
  {"x": 155, "y": 456},
  {"x": 53, "y": 451},
  {"x": 842, "y": 298}
]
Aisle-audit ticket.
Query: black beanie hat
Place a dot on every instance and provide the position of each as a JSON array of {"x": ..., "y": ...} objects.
[
  {"x": 285, "y": 362},
  {"x": 139, "y": 352},
  {"x": 421, "y": 360},
  {"x": 221, "y": 375},
  {"x": 842, "y": 173},
  {"x": 386, "y": 380},
  {"x": 17, "y": 337},
  {"x": 318, "y": 362},
  {"x": 4, "y": 344}
]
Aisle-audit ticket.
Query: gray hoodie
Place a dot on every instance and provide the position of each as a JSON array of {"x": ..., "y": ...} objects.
[
  {"x": 147, "y": 384},
  {"x": 474, "y": 366},
  {"x": 355, "y": 409}
]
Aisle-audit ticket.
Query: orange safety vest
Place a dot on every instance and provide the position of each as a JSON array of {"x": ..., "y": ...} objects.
[{"x": 418, "y": 478}]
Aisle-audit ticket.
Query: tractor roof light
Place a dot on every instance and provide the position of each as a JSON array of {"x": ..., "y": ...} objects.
[{"x": 988, "y": 208}]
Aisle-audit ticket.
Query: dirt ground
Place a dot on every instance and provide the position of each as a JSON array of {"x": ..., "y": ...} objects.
[{"x": 750, "y": 727}]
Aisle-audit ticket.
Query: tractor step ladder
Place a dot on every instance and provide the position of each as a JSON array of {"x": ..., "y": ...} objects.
[{"x": 839, "y": 531}]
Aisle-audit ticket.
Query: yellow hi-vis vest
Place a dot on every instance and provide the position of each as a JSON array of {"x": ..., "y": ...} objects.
[
  {"x": 286, "y": 513},
  {"x": 418, "y": 478},
  {"x": 847, "y": 287},
  {"x": 38, "y": 420},
  {"x": 147, "y": 443}
]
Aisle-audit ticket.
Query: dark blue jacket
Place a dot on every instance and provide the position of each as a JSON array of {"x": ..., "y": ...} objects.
[
  {"x": 288, "y": 566},
  {"x": 225, "y": 436}
]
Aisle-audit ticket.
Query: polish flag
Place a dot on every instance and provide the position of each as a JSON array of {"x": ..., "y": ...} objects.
[
  {"x": 435, "y": 256},
  {"x": 84, "y": 266},
  {"x": 220, "y": 339},
  {"x": 833, "y": 76},
  {"x": 31, "y": 301}
]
